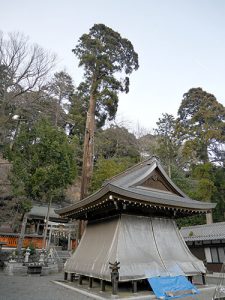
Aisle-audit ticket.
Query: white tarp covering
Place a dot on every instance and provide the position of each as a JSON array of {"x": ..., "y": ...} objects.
[{"x": 145, "y": 247}]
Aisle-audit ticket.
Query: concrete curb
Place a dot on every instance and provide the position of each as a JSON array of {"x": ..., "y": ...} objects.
[{"x": 79, "y": 291}]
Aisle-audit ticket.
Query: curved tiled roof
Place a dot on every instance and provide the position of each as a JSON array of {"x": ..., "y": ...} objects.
[
  {"x": 41, "y": 211},
  {"x": 133, "y": 184},
  {"x": 214, "y": 231}
]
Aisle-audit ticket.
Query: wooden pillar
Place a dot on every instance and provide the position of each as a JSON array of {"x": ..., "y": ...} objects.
[
  {"x": 80, "y": 280},
  {"x": 203, "y": 279},
  {"x": 102, "y": 282},
  {"x": 134, "y": 286},
  {"x": 90, "y": 283},
  {"x": 72, "y": 277},
  {"x": 78, "y": 235},
  {"x": 38, "y": 225}
]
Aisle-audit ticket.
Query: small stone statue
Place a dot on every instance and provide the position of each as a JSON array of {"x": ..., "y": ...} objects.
[
  {"x": 51, "y": 256},
  {"x": 27, "y": 254},
  {"x": 42, "y": 256}
]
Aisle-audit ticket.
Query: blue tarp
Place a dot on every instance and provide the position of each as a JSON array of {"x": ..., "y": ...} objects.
[{"x": 172, "y": 287}]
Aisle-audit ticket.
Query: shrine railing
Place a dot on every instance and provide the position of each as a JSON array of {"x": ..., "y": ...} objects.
[{"x": 11, "y": 240}]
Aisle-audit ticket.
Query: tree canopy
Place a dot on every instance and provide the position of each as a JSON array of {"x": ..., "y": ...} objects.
[
  {"x": 201, "y": 126},
  {"x": 117, "y": 142},
  {"x": 104, "y": 54},
  {"x": 43, "y": 162}
]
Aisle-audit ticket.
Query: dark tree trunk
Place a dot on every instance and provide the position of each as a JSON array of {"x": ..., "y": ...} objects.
[
  {"x": 88, "y": 153},
  {"x": 22, "y": 234}
]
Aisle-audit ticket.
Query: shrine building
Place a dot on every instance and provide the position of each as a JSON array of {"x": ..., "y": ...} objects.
[{"x": 132, "y": 220}]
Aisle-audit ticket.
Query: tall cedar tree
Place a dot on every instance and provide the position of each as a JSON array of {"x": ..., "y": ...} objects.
[
  {"x": 201, "y": 126},
  {"x": 105, "y": 56}
]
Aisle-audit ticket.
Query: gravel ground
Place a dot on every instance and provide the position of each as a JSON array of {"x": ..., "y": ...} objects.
[{"x": 33, "y": 287}]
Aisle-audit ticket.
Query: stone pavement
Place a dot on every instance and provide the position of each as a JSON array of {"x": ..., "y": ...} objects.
[
  {"x": 36, "y": 287},
  {"x": 33, "y": 287}
]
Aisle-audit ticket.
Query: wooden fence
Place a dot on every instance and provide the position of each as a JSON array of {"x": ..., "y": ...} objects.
[{"x": 12, "y": 241}]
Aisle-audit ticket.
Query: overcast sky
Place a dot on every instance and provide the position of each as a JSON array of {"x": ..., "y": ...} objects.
[{"x": 180, "y": 43}]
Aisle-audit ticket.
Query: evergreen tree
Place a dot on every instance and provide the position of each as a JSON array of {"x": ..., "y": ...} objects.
[
  {"x": 43, "y": 160},
  {"x": 201, "y": 126},
  {"x": 117, "y": 142},
  {"x": 43, "y": 165},
  {"x": 105, "y": 56}
]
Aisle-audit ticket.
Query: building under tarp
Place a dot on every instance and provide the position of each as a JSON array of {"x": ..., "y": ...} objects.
[
  {"x": 131, "y": 220},
  {"x": 145, "y": 247}
]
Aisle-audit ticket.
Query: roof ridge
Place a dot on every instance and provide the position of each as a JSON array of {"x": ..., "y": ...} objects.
[{"x": 136, "y": 166}]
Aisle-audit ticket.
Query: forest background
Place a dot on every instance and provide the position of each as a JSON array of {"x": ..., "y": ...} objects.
[{"x": 42, "y": 132}]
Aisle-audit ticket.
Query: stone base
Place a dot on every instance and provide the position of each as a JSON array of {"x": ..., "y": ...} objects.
[{"x": 14, "y": 268}]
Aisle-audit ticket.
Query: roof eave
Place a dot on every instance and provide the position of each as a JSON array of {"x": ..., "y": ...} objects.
[
  {"x": 93, "y": 197},
  {"x": 120, "y": 192}
]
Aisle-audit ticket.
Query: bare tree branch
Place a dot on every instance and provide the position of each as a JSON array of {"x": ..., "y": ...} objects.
[{"x": 24, "y": 67}]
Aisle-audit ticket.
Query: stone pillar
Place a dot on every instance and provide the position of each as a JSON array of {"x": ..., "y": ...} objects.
[
  {"x": 209, "y": 219},
  {"x": 42, "y": 256},
  {"x": 114, "y": 276}
]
